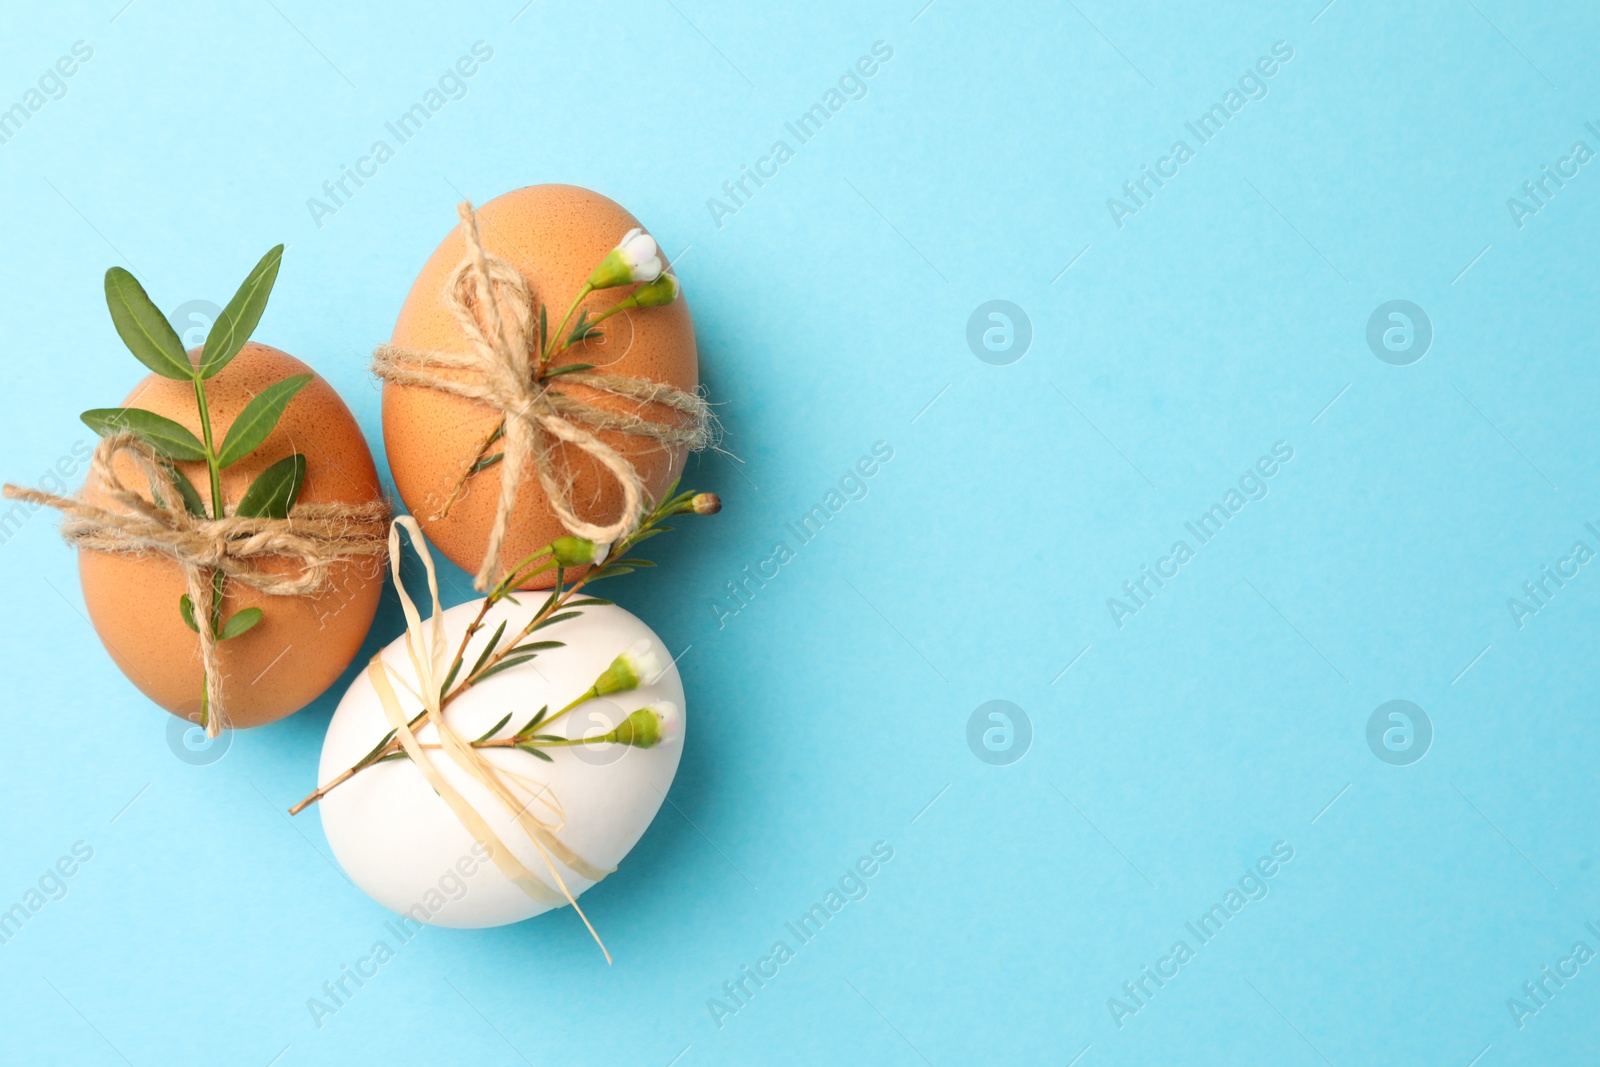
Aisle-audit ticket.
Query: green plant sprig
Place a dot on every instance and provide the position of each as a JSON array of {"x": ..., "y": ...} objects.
[
  {"x": 550, "y": 346},
  {"x": 561, "y": 603},
  {"x": 153, "y": 341}
]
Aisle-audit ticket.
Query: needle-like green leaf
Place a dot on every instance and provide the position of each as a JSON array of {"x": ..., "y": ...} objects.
[
  {"x": 504, "y": 665},
  {"x": 495, "y": 728},
  {"x": 533, "y": 723},
  {"x": 377, "y": 748}
]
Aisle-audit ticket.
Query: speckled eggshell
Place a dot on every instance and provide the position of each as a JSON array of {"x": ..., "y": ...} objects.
[
  {"x": 555, "y": 235},
  {"x": 302, "y": 644}
]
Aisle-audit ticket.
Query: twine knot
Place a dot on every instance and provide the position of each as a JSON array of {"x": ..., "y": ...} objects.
[{"x": 316, "y": 536}]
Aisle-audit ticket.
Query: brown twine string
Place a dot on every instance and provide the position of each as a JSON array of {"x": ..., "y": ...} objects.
[
  {"x": 489, "y": 299},
  {"x": 315, "y": 535}
]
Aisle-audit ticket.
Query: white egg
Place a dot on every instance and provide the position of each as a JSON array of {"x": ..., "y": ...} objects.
[{"x": 398, "y": 840}]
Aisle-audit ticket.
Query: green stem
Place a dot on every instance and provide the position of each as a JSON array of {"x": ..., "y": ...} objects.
[
  {"x": 554, "y": 343},
  {"x": 217, "y": 508},
  {"x": 511, "y": 742},
  {"x": 566, "y": 741},
  {"x": 622, "y": 305},
  {"x": 588, "y": 695},
  {"x": 211, "y": 452}
]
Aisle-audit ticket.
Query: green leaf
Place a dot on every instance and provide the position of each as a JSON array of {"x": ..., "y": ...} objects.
[
  {"x": 504, "y": 665},
  {"x": 377, "y": 748},
  {"x": 584, "y": 329},
  {"x": 645, "y": 535},
  {"x": 449, "y": 678},
  {"x": 488, "y": 650},
  {"x": 259, "y": 418},
  {"x": 533, "y": 723},
  {"x": 547, "y": 737},
  {"x": 588, "y": 602},
  {"x": 142, "y": 327},
  {"x": 495, "y": 728},
  {"x": 537, "y": 646},
  {"x": 275, "y": 489},
  {"x": 402, "y": 754},
  {"x": 487, "y": 461},
  {"x": 513, "y": 656},
  {"x": 242, "y": 621},
  {"x": 161, "y": 433},
  {"x": 238, "y": 320},
  {"x": 561, "y": 616},
  {"x": 186, "y": 609},
  {"x": 570, "y": 368},
  {"x": 535, "y": 752},
  {"x": 191, "y": 496},
  {"x": 611, "y": 572},
  {"x": 544, "y": 327},
  {"x": 634, "y": 563}
]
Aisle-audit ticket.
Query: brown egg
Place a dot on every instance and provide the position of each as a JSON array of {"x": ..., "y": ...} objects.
[
  {"x": 302, "y": 643},
  {"x": 555, "y": 235}
]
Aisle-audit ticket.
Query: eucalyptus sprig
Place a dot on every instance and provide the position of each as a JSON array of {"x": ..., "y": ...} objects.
[
  {"x": 154, "y": 342},
  {"x": 634, "y": 667}
]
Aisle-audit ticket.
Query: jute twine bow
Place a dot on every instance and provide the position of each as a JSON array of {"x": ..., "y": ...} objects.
[
  {"x": 429, "y": 653},
  {"x": 489, "y": 298},
  {"x": 317, "y": 536}
]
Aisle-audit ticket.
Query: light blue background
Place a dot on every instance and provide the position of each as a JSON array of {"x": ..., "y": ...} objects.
[{"x": 1227, "y": 715}]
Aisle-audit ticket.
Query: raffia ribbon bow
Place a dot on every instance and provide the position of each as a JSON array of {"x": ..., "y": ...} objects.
[
  {"x": 428, "y": 650},
  {"x": 317, "y": 536},
  {"x": 490, "y": 300}
]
